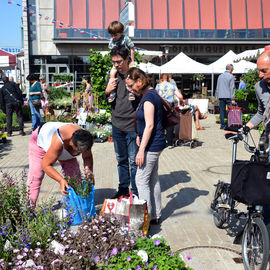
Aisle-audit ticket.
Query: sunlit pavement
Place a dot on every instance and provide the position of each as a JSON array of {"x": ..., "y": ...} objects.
[{"x": 187, "y": 177}]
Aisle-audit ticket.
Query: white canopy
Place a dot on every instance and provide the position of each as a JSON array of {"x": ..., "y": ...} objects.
[
  {"x": 181, "y": 63},
  {"x": 243, "y": 66},
  {"x": 219, "y": 66},
  {"x": 248, "y": 55},
  {"x": 149, "y": 68}
]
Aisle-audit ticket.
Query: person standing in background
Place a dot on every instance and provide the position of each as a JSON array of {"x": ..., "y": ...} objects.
[
  {"x": 242, "y": 84},
  {"x": 45, "y": 93},
  {"x": 225, "y": 92},
  {"x": 88, "y": 91},
  {"x": 168, "y": 91},
  {"x": 11, "y": 100},
  {"x": 35, "y": 93}
]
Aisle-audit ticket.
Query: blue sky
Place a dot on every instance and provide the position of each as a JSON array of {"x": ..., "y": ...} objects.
[{"x": 10, "y": 24}]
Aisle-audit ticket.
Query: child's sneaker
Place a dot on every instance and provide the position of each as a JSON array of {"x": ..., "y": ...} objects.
[
  {"x": 113, "y": 72},
  {"x": 111, "y": 97},
  {"x": 131, "y": 96}
]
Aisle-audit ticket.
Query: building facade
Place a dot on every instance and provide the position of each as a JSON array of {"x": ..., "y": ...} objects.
[{"x": 59, "y": 33}]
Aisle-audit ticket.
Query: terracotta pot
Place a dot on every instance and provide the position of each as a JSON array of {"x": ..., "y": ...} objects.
[{"x": 110, "y": 139}]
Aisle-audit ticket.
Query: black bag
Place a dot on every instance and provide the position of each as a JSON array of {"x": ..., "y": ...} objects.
[{"x": 250, "y": 183}]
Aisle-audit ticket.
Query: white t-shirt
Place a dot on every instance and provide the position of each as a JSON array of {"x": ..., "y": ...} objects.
[{"x": 44, "y": 138}]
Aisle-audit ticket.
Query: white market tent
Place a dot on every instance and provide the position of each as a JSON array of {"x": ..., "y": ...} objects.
[
  {"x": 248, "y": 55},
  {"x": 243, "y": 66},
  {"x": 219, "y": 66},
  {"x": 184, "y": 65},
  {"x": 149, "y": 68}
]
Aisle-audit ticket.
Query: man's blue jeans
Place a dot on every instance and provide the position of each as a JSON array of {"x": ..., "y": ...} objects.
[
  {"x": 222, "y": 110},
  {"x": 126, "y": 150},
  {"x": 36, "y": 117}
]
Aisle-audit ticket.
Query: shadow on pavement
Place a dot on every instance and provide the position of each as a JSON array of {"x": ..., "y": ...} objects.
[
  {"x": 5, "y": 148},
  {"x": 102, "y": 194},
  {"x": 169, "y": 180},
  {"x": 180, "y": 199}
]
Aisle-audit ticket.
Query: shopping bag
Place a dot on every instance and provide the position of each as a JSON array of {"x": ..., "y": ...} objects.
[
  {"x": 80, "y": 209},
  {"x": 235, "y": 117},
  {"x": 250, "y": 182},
  {"x": 131, "y": 212}
]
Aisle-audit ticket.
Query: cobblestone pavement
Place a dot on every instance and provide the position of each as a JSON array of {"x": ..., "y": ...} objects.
[{"x": 187, "y": 177}]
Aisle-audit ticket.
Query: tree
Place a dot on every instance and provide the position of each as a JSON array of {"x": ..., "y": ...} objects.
[{"x": 99, "y": 68}]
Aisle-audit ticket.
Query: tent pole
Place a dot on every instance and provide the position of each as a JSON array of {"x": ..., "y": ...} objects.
[{"x": 212, "y": 86}]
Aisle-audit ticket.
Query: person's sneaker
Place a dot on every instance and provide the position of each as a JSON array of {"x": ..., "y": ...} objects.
[
  {"x": 22, "y": 133},
  {"x": 131, "y": 97},
  {"x": 111, "y": 97},
  {"x": 120, "y": 193},
  {"x": 155, "y": 221}
]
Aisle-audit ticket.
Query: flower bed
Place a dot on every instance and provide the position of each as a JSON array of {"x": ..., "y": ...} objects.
[{"x": 40, "y": 240}]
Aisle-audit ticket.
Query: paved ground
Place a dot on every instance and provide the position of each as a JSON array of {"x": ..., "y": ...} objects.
[{"x": 187, "y": 177}]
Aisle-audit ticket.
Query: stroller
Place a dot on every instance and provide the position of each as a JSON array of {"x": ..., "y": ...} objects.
[{"x": 186, "y": 133}]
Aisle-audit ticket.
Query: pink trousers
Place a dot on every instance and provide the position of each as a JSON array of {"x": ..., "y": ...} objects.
[{"x": 36, "y": 174}]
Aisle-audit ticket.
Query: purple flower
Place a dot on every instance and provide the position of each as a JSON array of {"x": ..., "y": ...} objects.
[
  {"x": 114, "y": 252},
  {"x": 96, "y": 260},
  {"x": 157, "y": 243},
  {"x": 123, "y": 249},
  {"x": 138, "y": 267},
  {"x": 189, "y": 257},
  {"x": 19, "y": 257},
  {"x": 128, "y": 259},
  {"x": 154, "y": 267}
]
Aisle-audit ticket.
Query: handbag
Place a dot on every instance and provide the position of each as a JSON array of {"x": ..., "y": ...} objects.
[
  {"x": 36, "y": 102},
  {"x": 250, "y": 182},
  {"x": 131, "y": 212},
  {"x": 170, "y": 116}
]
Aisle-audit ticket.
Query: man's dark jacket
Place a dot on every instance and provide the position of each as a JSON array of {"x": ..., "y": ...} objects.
[{"x": 10, "y": 95}]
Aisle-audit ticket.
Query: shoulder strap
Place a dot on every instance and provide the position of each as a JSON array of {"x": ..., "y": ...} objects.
[{"x": 11, "y": 94}]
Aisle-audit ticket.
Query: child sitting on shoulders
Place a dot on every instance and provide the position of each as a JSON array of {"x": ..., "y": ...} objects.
[{"x": 116, "y": 30}]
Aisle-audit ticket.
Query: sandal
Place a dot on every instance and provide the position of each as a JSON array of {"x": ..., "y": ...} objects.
[
  {"x": 203, "y": 117},
  {"x": 200, "y": 128}
]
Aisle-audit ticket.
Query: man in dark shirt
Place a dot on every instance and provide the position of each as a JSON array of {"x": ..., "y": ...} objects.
[
  {"x": 11, "y": 100},
  {"x": 123, "y": 128}
]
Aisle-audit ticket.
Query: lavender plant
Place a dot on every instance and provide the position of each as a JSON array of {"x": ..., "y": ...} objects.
[{"x": 89, "y": 248}]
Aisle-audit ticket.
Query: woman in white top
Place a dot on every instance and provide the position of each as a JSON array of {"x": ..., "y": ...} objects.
[{"x": 57, "y": 141}]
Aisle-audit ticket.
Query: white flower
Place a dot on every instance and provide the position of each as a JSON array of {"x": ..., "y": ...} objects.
[
  {"x": 157, "y": 236},
  {"x": 143, "y": 255}
]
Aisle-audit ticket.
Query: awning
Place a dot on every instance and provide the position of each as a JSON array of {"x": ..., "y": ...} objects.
[{"x": 7, "y": 59}]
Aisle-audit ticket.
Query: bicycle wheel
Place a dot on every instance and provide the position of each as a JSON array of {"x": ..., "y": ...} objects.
[
  {"x": 255, "y": 245},
  {"x": 221, "y": 197}
]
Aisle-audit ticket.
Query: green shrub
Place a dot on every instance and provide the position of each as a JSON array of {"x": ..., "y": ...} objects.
[
  {"x": 3, "y": 118},
  {"x": 158, "y": 252},
  {"x": 240, "y": 94},
  {"x": 57, "y": 93},
  {"x": 251, "y": 78},
  {"x": 26, "y": 113}
]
